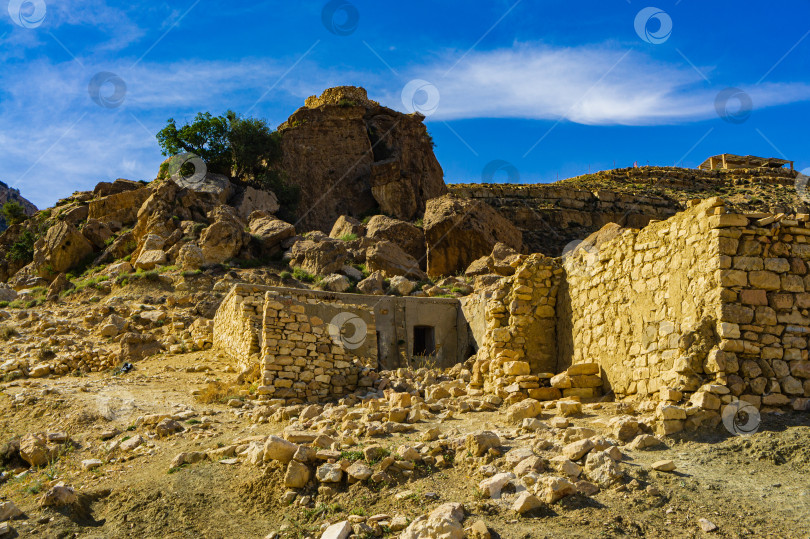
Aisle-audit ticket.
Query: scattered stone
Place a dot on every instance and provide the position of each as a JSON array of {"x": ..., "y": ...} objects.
[
  {"x": 526, "y": 502},
  {"x": 707, "y": 525},
  {"x": 663, "y": 466}
]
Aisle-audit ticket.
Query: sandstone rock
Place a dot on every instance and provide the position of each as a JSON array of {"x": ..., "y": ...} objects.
[
  {"x": 341, "y": 530},
  {"x": 480, "y": 443},
  {"x": 602, "y": 468},
  {"x": 402, "y": 285},
  {"x": 492, "y": 486},
  {"x": 216, "y": 185},
  {"x": 190, "y": 457},
  {"x": 167, "y": 427},
  {"x": 40, "y": 371},
  {"x": 335, "y": 283},
  {"x": 557, "y": 488},
  {"x": 136, "y": 346},
  {"x": 7, "y": 293},
  {"x": 526, "y": 502},
  {"x": 121, "y": 206},
  {"x": 131, "y": 443},
  {"x": 35, "y": 451},
  {"x": 433, "y": 527},
  {"x": 297, "y": 475},
  {"x": 90, "y": 464},
  {"x": 190, "y": 257},
  {"x": 348, "y": 154},
  {"x": 478, "y": 530},
  {"x": 458, "y": 231},
  {"x": 149, "y": 260},
  {"x": 97, "y": 233},
  {"x": 346, "y": 226},
  {"x": 359, "y": 471},
  {"x": 372, "y": 285},
  {"x": 59, "y": 495},
  {"x": 526, "y": 408},
  {"x": 329, "y": 473},
  {"x": 62, "y": 247},
  {"x": 569, "y": 408},
  {"x": 644, "y": 441},
  {"x": 270, "y": 232},
  {"x": 406, "y": 236},
  {"x": 577, "y": 450},
  {"x": 319, "y": 256},
  {"x": 390, "y": 261},
  {"x": 223, "y": 239},
  {"x": 276, "y": 448},
  {"x": 663, "y": 466},
  {"x": 251, "y": 199},
  {"x": 9, "y": 511}
]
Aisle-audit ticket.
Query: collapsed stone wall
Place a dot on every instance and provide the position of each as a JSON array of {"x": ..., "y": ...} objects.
[
  {"x": 645, "y": 304},
  {"x": 238, "y": 323},
  {"x": 519, "y": 345},
  {"x": 314, "y": 349}
]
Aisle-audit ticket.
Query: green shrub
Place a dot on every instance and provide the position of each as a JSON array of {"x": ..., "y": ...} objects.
[
  {"x": 13, "y": 213},
  {"x": 303, "y": 275},
  {"x": 348, "y": 237},
  {"x": 22, "y": 250}
]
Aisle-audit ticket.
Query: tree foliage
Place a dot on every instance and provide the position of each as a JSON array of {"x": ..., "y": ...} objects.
[{"x": 13, "y": 213}]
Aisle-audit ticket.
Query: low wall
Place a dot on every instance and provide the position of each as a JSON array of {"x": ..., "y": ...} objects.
[
  {"x": 238, "y": 322},
  {"x": 314, "y": 350}
]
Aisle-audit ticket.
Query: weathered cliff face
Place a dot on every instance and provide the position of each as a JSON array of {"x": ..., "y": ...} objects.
[
  {"x": 349, "y": 156},
  {"x": 9, "y": 194}
]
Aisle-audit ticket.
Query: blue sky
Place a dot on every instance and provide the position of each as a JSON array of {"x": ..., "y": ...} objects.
[{"x": 555, "y": 88}]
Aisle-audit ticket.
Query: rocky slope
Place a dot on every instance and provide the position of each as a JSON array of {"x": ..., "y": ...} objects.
[
  {"x": 554, "y": 214},
  {"x": 9, "y": 194}
]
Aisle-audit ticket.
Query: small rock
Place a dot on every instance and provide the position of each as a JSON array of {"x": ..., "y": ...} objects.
[
  {"x": 59, "y": 495},
  {"x": 663, "y": 466},
  {"x": 9, "y": 511},
  {"x": 341, "y": 530},
  {"x": 91, "y": 464},
  {"x": 707, "y": 525},
  {"x": 526, "y": 502}
]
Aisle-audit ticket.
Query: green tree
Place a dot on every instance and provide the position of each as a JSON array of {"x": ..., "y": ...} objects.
[
  {"x": 13, "y": 213},
  {"x": 206, "y": 136}
]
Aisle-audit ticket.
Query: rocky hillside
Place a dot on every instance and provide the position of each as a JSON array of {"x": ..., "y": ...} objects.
[
  {"x": 554, "y": 214},
  {"x": 9, "y": 194}
]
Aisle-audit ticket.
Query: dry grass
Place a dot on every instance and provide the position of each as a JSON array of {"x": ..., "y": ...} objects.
[
  {"x": 220, "y": 392},
  {"x": 7, "y": 332}
]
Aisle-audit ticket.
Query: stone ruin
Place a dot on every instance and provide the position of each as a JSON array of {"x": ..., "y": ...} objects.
[{"x": 691, "y": 313}]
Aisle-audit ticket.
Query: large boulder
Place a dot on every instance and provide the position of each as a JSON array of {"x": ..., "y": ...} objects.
[
  {"x": 349, "y": 155},
  {"x": 318, "y": 254},
  {"x": 136, "y": 346},
  {"x": 59, "y": 250},
  {"x": 190, "y": 257},
  {"x": 225, "y": 238},
  {"x": 408, "y": 237},
  {"x": 249, "y": 199},
  {"x": 120, "y": 206},
  {"x": 347, "y": 226},
  {"x": 459, "y": 231},
  {"x": 390, "y": 260},
  {"x": 97, "y": 233},
  {"x": 216, "y": 185},
  {"x": 269, "y": 231}
]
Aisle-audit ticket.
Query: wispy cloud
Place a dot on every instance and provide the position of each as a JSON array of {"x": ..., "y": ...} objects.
[{"x": 588, "y": 85}]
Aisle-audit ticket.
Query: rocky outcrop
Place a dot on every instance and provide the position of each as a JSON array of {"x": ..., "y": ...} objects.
[
  {"x": 269, "y": 231},
  {"x": 318, "y": 254},
  {"x": 387, "y": 258},
  {"x": 225, "y": 238},
  {"x": 349, "y": 155},
  {"x": 62, "y": 248},
  {"x": 9, "y": 194},
  {"x": 459, "y": 231},
  {"x": 249, "y": 199},
  {"x": 408, "y": 237}
]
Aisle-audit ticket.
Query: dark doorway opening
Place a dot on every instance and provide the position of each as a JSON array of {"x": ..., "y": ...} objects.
[{"x": 424, "y": 340}]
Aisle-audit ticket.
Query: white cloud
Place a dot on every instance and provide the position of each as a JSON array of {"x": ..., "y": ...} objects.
[{"x": 588, "y": 85}]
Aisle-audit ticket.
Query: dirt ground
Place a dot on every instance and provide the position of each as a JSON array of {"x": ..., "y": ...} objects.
[{"x": 755, "y": 486}]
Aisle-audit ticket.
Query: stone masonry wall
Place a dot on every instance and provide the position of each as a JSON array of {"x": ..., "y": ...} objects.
[
  {"x": 314, "y": 350},
  {"x": 237, "y": 324},
  {"x": 765, "y": 292},
  {"x": 518, "y": 353},
  {"x": 645, "y": 304}
]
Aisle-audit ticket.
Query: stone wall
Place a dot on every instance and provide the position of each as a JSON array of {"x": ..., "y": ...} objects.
[
  {"x": 314, "y": 350},
  {"x": 644, "y": 304},
  {"x": 238, "y": 322},
  {"x": 519, "y": 345}
]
